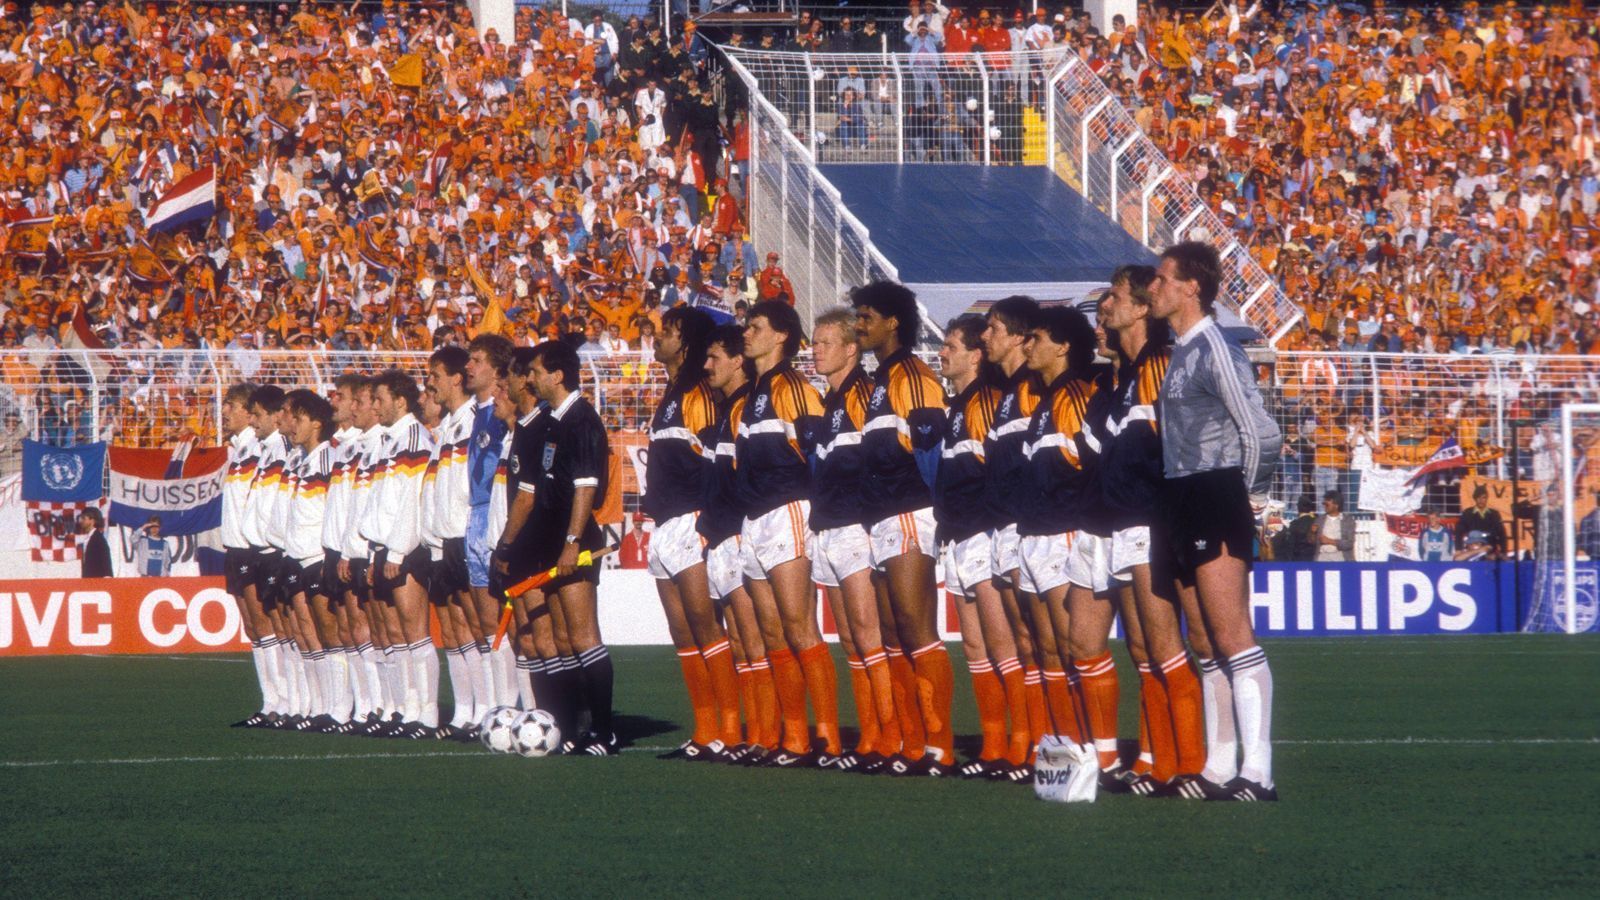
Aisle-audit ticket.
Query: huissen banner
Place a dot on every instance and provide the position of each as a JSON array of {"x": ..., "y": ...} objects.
[{"x": 182, "y": 486}]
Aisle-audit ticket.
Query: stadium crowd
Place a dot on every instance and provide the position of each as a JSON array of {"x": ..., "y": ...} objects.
[
  {"x": 385, "y": 179},
  {"x": 1420, "y": 180}
]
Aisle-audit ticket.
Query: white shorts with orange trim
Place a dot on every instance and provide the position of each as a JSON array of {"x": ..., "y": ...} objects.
[
  {"x": 1004, "y": 555},
  {"x": 724, "y": 569},
  {"x": 1044, "y": 561},
  {"x": 1089, "y": 565},
  {"x": 775, "y": 537},
  {"x": 966, "y": 564},
  {"x": 1130, "y": 547},
  {"x": 840, "y": 553},
  {"x": 909, "y": 532},
  {"x": 675, "y": 546}
]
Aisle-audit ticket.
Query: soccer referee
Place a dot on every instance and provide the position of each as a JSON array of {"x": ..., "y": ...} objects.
[{"x": 1219, "y": 450}]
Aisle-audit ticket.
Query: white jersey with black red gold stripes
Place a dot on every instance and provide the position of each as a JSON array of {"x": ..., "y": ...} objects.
[
  {"x": 308, "y": 503},
  {"x": 393, "y": 515},
  {"x": 452, "y": 490},
  {"x": 335, "y": 515},
  {"x": 366, "y": 457},
  {"x": 275, "y": 527},
  {"x": 264, "y": 490},
  {"x": 244, "y": 452}
]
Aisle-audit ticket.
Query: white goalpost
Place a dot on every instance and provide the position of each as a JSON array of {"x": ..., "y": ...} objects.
[{"x": 1577, "y": 605}]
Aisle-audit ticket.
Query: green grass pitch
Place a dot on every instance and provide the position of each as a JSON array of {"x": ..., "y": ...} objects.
[{"x": 1463, "y": 766}]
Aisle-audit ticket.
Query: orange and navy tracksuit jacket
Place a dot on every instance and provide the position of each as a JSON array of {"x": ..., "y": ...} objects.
[
  {"x": 721, "y": 515},
  {"x": 774, "y": 437},
  {"x": 959, "y": 505},
  {"x": 1003, "y": 459},
  {"x": 900, "y": 442},
  {"x": 682, "y": 449},
  {"x": 836, "y": 494},
  {"x": 1055, "y": 476},
  {"x": 1131, "y": 469}
]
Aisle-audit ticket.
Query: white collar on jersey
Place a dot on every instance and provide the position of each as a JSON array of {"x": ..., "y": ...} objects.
[
  {"x": 1196, "y": 329},
  {"x": 567, "y": 404}
]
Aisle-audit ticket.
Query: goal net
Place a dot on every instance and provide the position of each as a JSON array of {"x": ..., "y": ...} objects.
[{"x": 1566, "y": 587}]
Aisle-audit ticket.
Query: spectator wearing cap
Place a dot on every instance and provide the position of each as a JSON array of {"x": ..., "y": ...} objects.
[{"x": 772, "y": 283}]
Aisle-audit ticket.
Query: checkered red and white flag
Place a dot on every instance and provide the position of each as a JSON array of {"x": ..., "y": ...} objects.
[{"x": 53, "y": 529}]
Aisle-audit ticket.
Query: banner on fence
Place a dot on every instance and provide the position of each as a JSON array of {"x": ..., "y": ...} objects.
[
  {"x": 58, "y": 483},
  {"x": 181, "y": 486}
]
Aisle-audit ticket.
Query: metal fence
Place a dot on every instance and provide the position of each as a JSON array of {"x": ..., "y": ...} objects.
[
  {"x": 795, "y": 211},
  {"x": 1406, "y": 404},
  {"x": 1093, "y": 143}
]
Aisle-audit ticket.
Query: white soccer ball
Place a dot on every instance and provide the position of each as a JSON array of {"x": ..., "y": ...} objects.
[
  {"x": 535, "y": 734},
  {"x": 496, "y": 729},
  {"x": 972, "y": 104},
  {"x": 994, "y": 133}
]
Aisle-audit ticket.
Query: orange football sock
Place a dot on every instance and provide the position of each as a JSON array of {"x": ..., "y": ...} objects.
[
  {"x": 765, "y": 729},
  {"x": 822, "y": 683},
  {"x": 1187, "y": 705},
  {"x": 791, "y": 683},
  {"x": 881, "y": 677},
  {"x": 698, "y": 681},
  {"x": 1012, "y": 677},
  {"x": 1101, "y": 692},
  {"x": 1063, "y": 715},
  {"x": 866, "y": 713},
  {"x": 936, "y": 692},
  {"x": 747, "y": 699},
  {"x": 913, "y": 739},
  {"x": 991, "y": 697},
  {"x": 1038, "y": 708},
  {"x": 724, "y": 689},
  {"x": 1158, "y": 722}
]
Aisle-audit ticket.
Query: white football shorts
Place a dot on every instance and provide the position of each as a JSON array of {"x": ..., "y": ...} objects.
[
  {"x": 775, "y": 537},
  {"x": 675, "y": 546},
  {"x": 840, "y": 553}
]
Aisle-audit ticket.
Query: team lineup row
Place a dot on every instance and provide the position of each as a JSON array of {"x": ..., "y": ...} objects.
[{"x": 1042, "y": 480}]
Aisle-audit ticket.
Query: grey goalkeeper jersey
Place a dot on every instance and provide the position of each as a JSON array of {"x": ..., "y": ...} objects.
[{"x": 1211, "y": 414}]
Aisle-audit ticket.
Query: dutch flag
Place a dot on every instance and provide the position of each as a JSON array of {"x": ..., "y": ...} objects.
[{"x": 192, "y": 200}]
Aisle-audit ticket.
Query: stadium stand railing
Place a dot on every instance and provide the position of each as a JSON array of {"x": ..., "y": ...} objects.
[
  {"x": 826, "y": 250},
  {"x": 984, "y": 108},
  {"x": 1410, "y": 402}
]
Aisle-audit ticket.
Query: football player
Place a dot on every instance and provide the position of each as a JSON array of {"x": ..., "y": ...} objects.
[{"x": 244, "y": 451}]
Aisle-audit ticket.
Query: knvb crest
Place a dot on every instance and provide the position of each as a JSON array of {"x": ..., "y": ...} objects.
[
  {"x": 838, "y": 419},
  {"x": 671, "y": 409},
  {"x": 61, "y": 471},
  {"x": 761, "y": 404}
]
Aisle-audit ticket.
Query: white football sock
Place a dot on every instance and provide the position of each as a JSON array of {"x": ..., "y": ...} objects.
[
  {"x": 525, "y": 696},
  {"x": 312, "y": 665},
  {"x": 261, "y": 655},
  {"x": 482, "y": 680},
  {"x": 275, "y": 674},
  {"x": 339, "y": 674},
  {"x": 289, "y": 663},
  {"x": 1251, "y": 678},
  {"x": 393, "y": 687},
  {"x": 356, "y": 672},
  {"x": 426, "y": 663},
  {"x": 372, "y": 674},
  {"x": 505, "y": 674},
  {"x": 409, "y": 666},
  {"x": 1222, "y": 744},
  {"x": 460, "y": 691}
]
